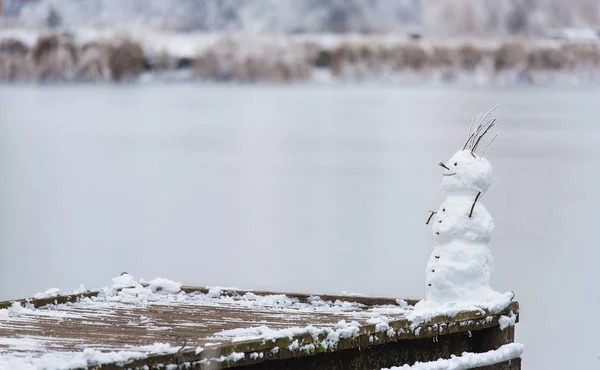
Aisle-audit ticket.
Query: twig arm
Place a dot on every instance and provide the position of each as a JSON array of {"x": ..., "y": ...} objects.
[
  {"x": 430, "y": 216},
  {"x": 473, "y": 206}
]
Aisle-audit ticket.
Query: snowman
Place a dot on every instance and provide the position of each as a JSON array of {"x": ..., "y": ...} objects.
[{"x": 461, "y": 265}]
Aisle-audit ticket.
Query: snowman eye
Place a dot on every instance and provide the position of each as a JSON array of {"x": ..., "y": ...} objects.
[
  {"x": 443, "y": 209},
  {"x": 456, "y": 163}
]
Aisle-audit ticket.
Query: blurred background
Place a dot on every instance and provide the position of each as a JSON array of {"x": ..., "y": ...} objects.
[
  {"x": 292, "y": 145},
  {"x": 463, "y": 41}
]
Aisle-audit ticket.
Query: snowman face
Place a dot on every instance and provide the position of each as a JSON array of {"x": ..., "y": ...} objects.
[
  {"x": 467, "y": 174},
  {"x": 452, "y": 221}
]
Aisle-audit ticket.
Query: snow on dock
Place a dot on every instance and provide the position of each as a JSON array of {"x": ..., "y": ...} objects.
[{"x": 135, "y": 324}]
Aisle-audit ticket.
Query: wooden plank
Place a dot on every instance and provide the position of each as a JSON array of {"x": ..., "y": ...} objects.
[
  {"x": 302, "y": 297},
  {"x": 40, "y": 302}
]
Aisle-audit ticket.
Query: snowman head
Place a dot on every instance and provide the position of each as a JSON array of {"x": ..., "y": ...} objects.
[{"x": 467, "y": 171}]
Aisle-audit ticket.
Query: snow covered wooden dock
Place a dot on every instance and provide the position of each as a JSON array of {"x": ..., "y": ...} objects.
[{"x": 161, "y": 323}]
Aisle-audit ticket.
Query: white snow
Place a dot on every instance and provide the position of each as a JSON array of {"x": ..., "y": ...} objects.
[
  {"x": 264, "y": 332},
  {"x": 340, "y": 330},
  {"x": 275, "y": 300},
  {"x": 126, "y": 289},
  {"x": 426, "y": 310},
  {"x": 256, "y": 355},
  {"x": 294, "y": 345},
  {"x": 345, "y": 293},
  {"x": 22, "y": 344},
  {"x": 506, "y": 321},
  {"x": 469, "y": 360},
  {"x": 72, "y": 360},
  {"x": 164, "y": 286},
  {"x": 124, "y": 281},
  {"x": 233, "y": 357},
  {"x": 214, "y": 292},
  {"x": 52, "y": 292},
  {"x": 401, "y": 302}
]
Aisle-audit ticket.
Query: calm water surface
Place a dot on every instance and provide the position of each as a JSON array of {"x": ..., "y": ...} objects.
[{"x": 315, "y": 189}]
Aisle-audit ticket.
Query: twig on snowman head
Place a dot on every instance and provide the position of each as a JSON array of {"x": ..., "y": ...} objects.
[
  {"x": 473, "y": 206},
  {"x": 478, "y": 129},
  {"x": 430, "y": 216},
  {"x": 479, "y": 121},
  {"x": 490, "y": 111},
  {"x": 486, "y": 146},
  {"x": 473, "y": 120},
  {"x": 481, "y": 127},
  {"x": 468, "y": 140},
  {"x": 490, "y": 125}
]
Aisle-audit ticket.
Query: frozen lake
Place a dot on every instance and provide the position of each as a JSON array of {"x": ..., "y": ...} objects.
[{"x": 313, "y": 189}]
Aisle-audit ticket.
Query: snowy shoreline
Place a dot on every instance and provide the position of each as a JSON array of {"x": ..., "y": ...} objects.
[{"x": 113, "y": 54}]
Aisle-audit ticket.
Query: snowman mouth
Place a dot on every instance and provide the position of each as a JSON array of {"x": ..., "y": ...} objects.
[{"x": 449, "y": 174}]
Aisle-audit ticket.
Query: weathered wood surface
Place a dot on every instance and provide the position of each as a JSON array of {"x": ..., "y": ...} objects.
[
  {"x": 40, "y": 302},
  {"x": 369, "y": 301},
  {"x": 398, "y": 353},
  {"x": 302, "y": 297},
  {"x": 72, "y": 327}
]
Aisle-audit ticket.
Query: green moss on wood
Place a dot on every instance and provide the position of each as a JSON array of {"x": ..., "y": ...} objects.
[{"x": 39, "y": 302}]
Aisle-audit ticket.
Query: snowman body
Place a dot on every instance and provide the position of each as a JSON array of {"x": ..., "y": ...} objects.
[{"x": 461, "y": 265}]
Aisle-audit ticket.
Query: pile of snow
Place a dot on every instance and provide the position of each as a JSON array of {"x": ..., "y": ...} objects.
[
  {"x": 53, "y": 292},
  {"x": 469, "y": 360},
  {"x": 164, "y": 286},
  {"x": 425, "y": 311},
  {"x": 507, "y": 321},
  {"x": 124, "y": 281}
]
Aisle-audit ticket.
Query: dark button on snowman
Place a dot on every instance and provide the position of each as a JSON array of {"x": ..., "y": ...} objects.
[{"x": 460, "y": 267}]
